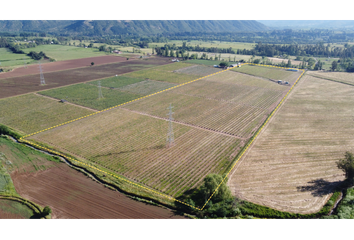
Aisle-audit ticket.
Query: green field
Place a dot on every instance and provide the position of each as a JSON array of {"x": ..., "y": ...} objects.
[
  {"x": 87, "y": 95},
  {"x": 165, "y": 73},
  {"x": 269, "y": 72},
  {"x": 147, "y": 87},
  {"x": 64, "y": 52},
  {"x": 30, "y": 113},
  {"x": 117, "y": 82},
  {"x": 218, "y": 44},
  {"x": 8, "y": 59}
]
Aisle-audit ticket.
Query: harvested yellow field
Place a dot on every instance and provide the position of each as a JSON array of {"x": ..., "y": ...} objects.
[
  {"x": 345, "y": 77},
  {"x": 291, "y": 166}
]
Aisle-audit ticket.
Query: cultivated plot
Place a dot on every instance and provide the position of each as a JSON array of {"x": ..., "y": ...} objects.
[
  {"x": 134, "y": 146},
  {"x": 30, "y": 113},
  {"x": 87, "y": 95},
  {"x": 220, "y": 103},
  {"x": 269, "y": 72},
  {"x": 291, "y": 166},
  {"x": 213, "y": 119}
]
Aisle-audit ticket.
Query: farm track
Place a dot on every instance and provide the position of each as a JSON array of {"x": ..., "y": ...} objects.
[{"x": 185, "y": 124}]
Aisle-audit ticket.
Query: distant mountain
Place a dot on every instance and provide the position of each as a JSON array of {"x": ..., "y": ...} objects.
[
  {"x": 308, "y": 24},
  {"x": 110, "y": 27}
]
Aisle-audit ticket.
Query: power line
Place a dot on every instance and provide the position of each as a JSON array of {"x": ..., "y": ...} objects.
[{"x": 170, "y": 135}]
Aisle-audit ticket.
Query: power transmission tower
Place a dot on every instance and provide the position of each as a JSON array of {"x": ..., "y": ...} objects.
[
  {"x": 41, "y": 74},
  {"x": 99, "y": 90},
  {"x": 170, "y": 135}
]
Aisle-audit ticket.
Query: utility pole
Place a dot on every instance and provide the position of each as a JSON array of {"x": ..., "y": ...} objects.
[
  {"x": 24, "y": 63},
  {"x": 41, "y": 74},
  {"x": 170, "y": 135}
]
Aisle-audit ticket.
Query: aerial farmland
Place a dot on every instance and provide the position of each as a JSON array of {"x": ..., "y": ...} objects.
[{"x": 122, "y": 128}]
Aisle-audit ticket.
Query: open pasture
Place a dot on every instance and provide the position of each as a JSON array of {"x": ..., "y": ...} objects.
[
  {"x": 291, "y": 166},
  {"x": 87, "y": 95},
  {"x": 8, "y": 58},
  {"x": 30, "y": 113},
  {"x": 20, "y": 85},
  {"x": 63, "y": 52},
  {"x": 134, "y": 145}
]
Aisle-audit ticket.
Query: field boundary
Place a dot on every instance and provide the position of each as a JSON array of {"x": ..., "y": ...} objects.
[{"x": 135, "y": 184}]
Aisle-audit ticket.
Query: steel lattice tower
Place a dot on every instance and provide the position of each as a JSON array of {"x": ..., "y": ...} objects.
[
  {"x": 41, "y": 74},
  {"x": 99, "y": 90},
  {"x": 170, "y": 135}
]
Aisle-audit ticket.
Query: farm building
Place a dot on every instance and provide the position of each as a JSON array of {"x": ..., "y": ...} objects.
[{"x": 117, "y": 51}]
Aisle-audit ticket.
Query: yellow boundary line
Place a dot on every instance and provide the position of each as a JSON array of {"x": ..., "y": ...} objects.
[{"x": 148, "y": 189}]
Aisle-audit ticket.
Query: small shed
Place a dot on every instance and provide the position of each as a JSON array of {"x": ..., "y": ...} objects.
[
  {"x": 216, "y": 66},
  {"x": 280, "y": 82}
]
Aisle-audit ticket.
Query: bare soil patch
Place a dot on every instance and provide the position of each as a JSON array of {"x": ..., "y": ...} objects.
[{"x": 71, "y": 195}]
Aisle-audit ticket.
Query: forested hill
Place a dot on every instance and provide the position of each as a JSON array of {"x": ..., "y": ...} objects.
[{"x": 116, "y": 27}]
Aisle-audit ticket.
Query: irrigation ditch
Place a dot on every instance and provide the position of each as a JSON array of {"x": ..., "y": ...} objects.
[{"x": 108, "y": 185}]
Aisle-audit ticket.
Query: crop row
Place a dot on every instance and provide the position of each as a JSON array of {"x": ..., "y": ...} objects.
[{"x": 30, "y": 113}]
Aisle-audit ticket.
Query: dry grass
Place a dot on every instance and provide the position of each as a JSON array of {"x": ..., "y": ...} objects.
[{"x": 291, "y": 165}]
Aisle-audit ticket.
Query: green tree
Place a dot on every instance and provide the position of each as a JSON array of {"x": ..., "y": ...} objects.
[
  {"x": 46, "y": 211},
  {"x": 102, "y": 48},
  {"x": 347, "y": 166},
  {"x": 215, "y": 184},
  {"x": 334, "y": 66},
  {"x": 92, "y": 63},
  {"x": 224, "y": 64},
  {"x": 289, "y": 63},
  {"x": 90, "y": 45}
]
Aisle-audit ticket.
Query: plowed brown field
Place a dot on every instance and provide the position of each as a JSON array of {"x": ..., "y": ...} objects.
[
  {"x": 61, "y": 65},
  {"x": 31, "y": 83},
  {"x": 70, "y": 194}
]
